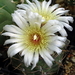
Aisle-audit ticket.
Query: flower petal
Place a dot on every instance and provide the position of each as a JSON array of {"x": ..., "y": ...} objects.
[
  {"x": 63, "y": 32},
  {"x": 65, "y": 19},
  {"x": 52, "y": 8},
  {"x": 37, "y": 19},
  {"x": 67, "y": 26},
  {"x": 18, "y": 21},
  {"x": 48, "y": 62},
  {"x": 23, "y": 6},
  {"x": 47, "y": 5},
  {"x": 61, "y": 12},
  {"x": 46, "y": 53},
  {"x": 9, "y": 41},
  {"x": 31, "y": 5},
  {"x": 58, "y": 10},
  {"x": 51, "y": 27},
  {"x": 59, "y": 44},
  {"x": 24, "y": 21},
  {"x": 11, "y": 34},
  {"x": 37, "y": 4},
  {"x": 14, "y": 49},
  {"x": 55, "y": 48},
  {"x": 43, "y": 5},
  {"x": 60, "y": 38},
  {"x": 28, "y": 58},
  {"x": 13, "y": 29},
  {"x": 35, "y": 59}
]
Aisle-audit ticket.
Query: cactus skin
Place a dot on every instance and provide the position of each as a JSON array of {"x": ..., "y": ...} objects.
[{"x": 41, "y": 67}]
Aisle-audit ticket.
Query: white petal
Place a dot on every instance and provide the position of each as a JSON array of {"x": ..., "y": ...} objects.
[
  {"x": 54, "y": 29},
  {"x": 35, "y": 59},
  {"x": 11, "y": 34},
  {"x": 46, "y": 53},
  {"x": 28, "y": 58},
  {"x": 29, "y": 17},
  {"x": 67, "y": 26},
  {"x": 31, "y": 5},
  {"x": 47, "y": 5},
  {"x": 61, "y": 12},
  {"x": 38, "y": 4},
  {"x": 12, "y": 28},
  {"x": 56, "y": 38},
  {"x": 22, "y": 13},
  {"x": 9, "y": 41},
  {"x": 18, "y": 21},
  {"x": 69, "y": 18},
  {"x": 65, "y": 19},
  {"x": 24, "y": 52},
  {"x": 58, "y": 43},
  {"x": 53, "y": 22},
  {"x": 63, "y": 39},
  {"x": 58, "y": 10},
  {"x": 63, "y": 32},
  {"x": 51, "y": 27},
  {"x": 52, "y": 8},
  {"x": 52, "y": 38},
  {"x": 14, "y": 49},
  {"x": 50, "y": 51},
  {"x": 37, "y": 19},
  {"x": 43, "y": 5},
  {"x": 17, "y": 13},
  {"x": 48, "y": 62},
  {"x": 55, "y": 48},
  {"x": 23, "y": 6}
]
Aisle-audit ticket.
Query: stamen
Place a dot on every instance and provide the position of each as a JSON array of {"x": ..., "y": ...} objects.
[{"x": 35, "y": 38}]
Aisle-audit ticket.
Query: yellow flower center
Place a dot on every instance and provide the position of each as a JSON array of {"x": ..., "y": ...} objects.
[
  {"x": 46, "y": 15},
  {"x": 35, "y": 38}
]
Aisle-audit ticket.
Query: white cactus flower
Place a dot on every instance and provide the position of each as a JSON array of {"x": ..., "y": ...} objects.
[
  {"x": 29, "y": 38},
  {"x": 53, "y": 13}
]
